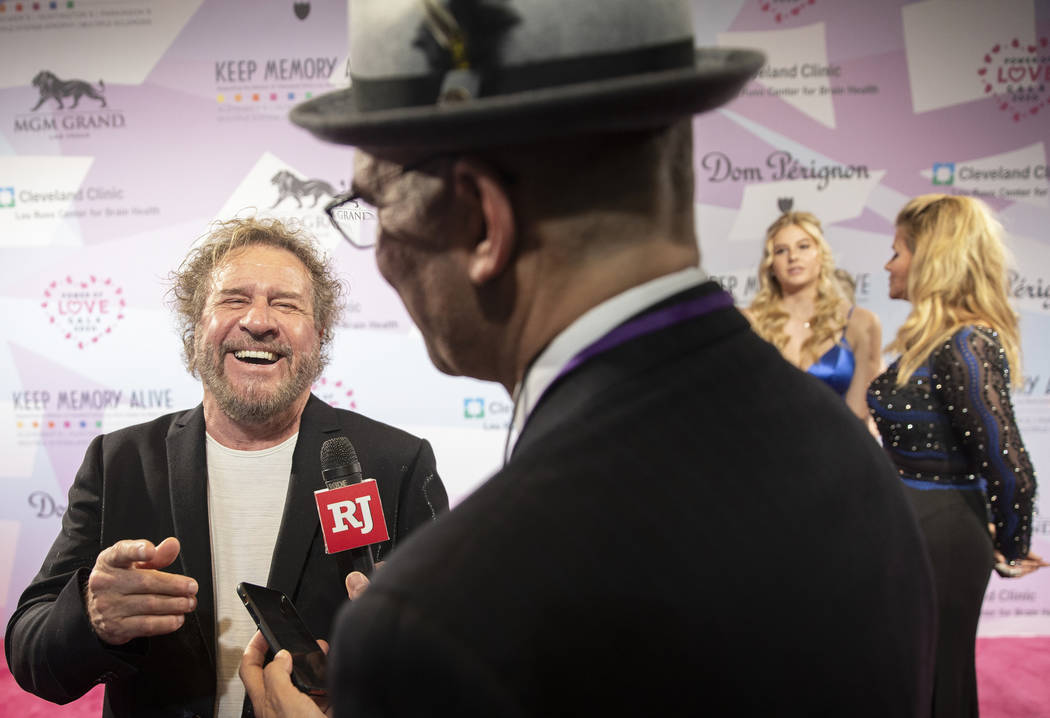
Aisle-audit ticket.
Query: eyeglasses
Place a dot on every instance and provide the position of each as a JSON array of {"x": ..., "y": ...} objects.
[{"x": 357, "y": 220}]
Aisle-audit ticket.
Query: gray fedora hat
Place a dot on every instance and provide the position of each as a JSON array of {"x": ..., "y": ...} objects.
[{"x": 455, "y": 74}]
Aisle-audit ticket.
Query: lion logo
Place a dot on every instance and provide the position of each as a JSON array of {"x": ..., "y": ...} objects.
[
  {"x": 288, "y": 185},
  {"x": 52, "y": 88}
]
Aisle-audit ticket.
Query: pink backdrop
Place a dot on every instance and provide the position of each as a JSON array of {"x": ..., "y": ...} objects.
[{"x": 183, "y": 120}]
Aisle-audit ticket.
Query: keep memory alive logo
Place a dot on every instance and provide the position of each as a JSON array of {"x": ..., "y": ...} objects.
[
  {"x": 68, "y": 107},
  {"x": 1017, "y": 75},
  {"x": 264, "y": 87},
  {"x": 44, "y": 415}
]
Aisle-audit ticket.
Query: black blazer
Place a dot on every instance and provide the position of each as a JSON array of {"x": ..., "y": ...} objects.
[
  {"x": 689, "y": 526},
  {"x": 149, "y": 481}
]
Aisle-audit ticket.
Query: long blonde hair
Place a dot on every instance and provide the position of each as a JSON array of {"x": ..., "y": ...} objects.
[
  {"x": 957, "y": 277},
  {"x": 767, "y": 313}
]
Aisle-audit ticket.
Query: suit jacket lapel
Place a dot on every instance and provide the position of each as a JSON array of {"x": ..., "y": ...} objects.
[
  {"x": 188, "y": 488},
  {"x": 299, "y": 524}
]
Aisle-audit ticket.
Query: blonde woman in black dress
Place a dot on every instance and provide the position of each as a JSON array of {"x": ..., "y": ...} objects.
[{"x": 944, "y": 412}]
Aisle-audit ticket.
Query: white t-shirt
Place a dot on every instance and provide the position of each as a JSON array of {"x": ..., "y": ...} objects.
[{"x": 246, "y": 493}]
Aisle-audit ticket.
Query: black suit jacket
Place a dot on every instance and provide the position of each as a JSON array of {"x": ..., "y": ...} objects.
[
  {"x": 149, "y": 481},
  {"x": 689, "y": 525}
]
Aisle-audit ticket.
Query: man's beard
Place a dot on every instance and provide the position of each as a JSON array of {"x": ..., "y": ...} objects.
[{"x": 252, "y": 404}]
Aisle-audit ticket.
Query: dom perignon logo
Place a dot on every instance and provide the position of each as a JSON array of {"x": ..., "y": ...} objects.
[{"x": 68, "y": 108}]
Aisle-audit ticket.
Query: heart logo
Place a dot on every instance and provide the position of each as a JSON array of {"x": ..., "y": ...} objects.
[
  {"x": 1018, "y": 77},
  {"x": 334, "y": 393},
  {"x": 84, "y": 310},
  {"x": 785, "y": 8}
]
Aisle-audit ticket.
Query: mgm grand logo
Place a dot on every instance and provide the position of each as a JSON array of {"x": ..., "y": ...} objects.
[
  {"x": 57, "y": 98},
  {"x": 291, "y": 187}
]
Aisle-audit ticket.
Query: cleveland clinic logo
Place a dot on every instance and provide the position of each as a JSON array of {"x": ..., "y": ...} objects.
[
  {"x": 943, "y": 173},
  {"x": 7, "y": 197},
  {"x": 988, "y": 180},
  {"x": 487, "y": 414},
  {"x": 473, "y": 408}
]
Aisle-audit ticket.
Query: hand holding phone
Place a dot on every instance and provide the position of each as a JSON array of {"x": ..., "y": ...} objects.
[{"x": 283, "y": 629}]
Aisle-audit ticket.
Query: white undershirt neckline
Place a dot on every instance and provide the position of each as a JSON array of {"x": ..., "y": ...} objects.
[{"x": 243, "y": 489}]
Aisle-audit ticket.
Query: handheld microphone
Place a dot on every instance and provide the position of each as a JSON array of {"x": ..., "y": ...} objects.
[
  {"x": 339, "y": 464},
  {"x": 349, "y": 509}
]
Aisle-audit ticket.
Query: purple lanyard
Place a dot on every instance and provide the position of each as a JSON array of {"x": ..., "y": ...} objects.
[
  {"x": 637, "y": 327},
  {"x": 648, "y": 323}
]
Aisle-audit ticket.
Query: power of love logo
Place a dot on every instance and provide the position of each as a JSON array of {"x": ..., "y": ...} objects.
[
  {"x": 334, "y": 393},
  {"x": 784, "y": 8},
  {"x": 1017, "y": 75},
  {"x": 84, "y": 310}
]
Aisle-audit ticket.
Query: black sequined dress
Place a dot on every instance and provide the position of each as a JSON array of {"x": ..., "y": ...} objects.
[{"x": 951, "y": 432}]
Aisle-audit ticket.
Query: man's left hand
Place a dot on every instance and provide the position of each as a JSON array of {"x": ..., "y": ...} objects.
[
  {"x": 270, "y": 686},
  {"x": 357, "y": 583}
]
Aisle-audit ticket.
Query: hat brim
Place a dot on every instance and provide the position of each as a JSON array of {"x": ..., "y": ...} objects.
[{"x": 624, "y": 103}]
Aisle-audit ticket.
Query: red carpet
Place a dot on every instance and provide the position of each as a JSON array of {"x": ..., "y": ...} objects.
[{"x": 1013, "y": 677}]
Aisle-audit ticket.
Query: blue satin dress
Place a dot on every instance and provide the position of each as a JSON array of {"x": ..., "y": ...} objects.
[{"x": 835, "y": 368}]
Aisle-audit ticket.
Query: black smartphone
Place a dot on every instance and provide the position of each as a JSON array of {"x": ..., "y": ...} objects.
[{"x": 282, "y": 628}]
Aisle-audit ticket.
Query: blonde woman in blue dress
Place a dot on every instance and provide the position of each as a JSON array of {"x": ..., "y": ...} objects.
[{"x": 801, "y": 310}]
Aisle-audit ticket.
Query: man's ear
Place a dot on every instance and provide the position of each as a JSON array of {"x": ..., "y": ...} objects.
[{"x": 492, "y": 252}]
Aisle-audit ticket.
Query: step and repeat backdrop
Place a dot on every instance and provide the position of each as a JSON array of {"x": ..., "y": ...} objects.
[{"x": 128, "y": 126}]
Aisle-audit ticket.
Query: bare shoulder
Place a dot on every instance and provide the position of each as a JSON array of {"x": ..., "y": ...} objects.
[
  {"x": 864, "y": 327},
  {"x": 864, "y": 319}
]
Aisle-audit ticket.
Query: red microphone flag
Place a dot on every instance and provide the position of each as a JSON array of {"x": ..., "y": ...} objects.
[{"x": 351, "y": 516}]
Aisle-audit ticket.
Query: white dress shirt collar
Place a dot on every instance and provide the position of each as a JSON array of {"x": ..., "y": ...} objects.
[{"x": 588, "y": 328}]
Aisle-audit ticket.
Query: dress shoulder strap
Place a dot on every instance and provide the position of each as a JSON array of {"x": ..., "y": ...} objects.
[{"x": 842, "y": 339}]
